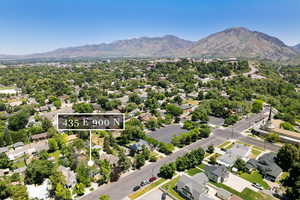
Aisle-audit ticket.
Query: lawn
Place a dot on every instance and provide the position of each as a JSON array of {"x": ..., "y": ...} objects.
[
  {"x": 255, "y": 177},
  {"x": 224, "y": 144},
  {"x": 56, "y": 155},
  {"x": 255, "y": 152},
  {"x": 169, "y": 187},
  {"x": 193, "y": 171},
  {"x": 146, "y": 189},
  {"x": 19, "y": 163},
  {"x": 246, "y": 194},
  {"x": 201, "y": 166}
]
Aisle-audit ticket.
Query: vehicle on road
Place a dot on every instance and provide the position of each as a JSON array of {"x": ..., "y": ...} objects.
[
  {"x": 136, "y": 188},
  {"x": 144, "y": 182},
  {"x": 257, "y": 185},
  {"x": 152, "y": 179}
]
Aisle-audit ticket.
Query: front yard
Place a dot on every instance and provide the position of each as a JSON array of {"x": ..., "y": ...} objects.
[
  {"x": 255, "y": 177},
  {"x": 169, "y": 187}
]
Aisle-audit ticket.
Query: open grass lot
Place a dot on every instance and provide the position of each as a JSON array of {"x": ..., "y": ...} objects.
[
  {"x": 193, "y": 171},
  {"x": 169, "y": 187},
  {"x": 255, "y": 177},
  {"x": 146, "y": 189},
  {"x": 246, "y": 194}
]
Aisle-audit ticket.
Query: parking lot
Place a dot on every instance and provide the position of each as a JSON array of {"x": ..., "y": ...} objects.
[{"x": 166, "y": 133}]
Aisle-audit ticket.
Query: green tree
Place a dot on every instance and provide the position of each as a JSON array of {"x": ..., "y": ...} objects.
[
  {"x": 79, "y": 189},
  {"x": 139, "y": 161},
  {"x": 37, "y": 171},
  {"x": 174, "y": 110},
  {"x": 53, "y": 146},
  {"x": 83, "y": 108},
  {"x": 167, "y": 171},
  {"x": 5, "y": 162},
  {"x": 240, "y": 165},
  {"x": 104, "y": 197},
  {"x": 257, "y": 106},
  {"x": 287, "y": 155},
  {"x": 83, "y": 174},
  {"x": 62, "y": 193},
  {"x": 18, "y": 121}
]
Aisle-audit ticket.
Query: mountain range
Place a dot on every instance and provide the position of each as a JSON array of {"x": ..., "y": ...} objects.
[
  {"x": 232, "y": 42},
  {"x": 297, "y": 48}
]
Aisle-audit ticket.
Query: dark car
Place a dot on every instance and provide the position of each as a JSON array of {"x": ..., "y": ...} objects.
[
  {"x": 164, "y": 196},
  {"x": 143, "y": 183},
  {"x": 136, "y": 188},
  {"x": 152, "y": 179}
]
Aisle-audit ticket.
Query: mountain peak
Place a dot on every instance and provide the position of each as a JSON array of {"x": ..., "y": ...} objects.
[{"x": 242, "y": 42}]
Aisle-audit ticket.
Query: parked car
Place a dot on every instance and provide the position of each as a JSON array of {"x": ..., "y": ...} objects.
[
  {"x": 152, "y": 179},
  {"x": 136, "y": 188},
  {"x": 164, "y": 196},
  {"x": 143, "y": 183},
  {"x": 257, "y": 185}
]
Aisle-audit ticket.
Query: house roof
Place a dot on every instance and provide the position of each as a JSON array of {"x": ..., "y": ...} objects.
[
  {"x": 39, "y": 136},
  {"x": 224, "y": 194},
  {"x": 266, "y": 164},
  {"x": 139, "y": 145},
  {"x": 218, "y": 170},
  {"x": 196, "y": 183},
  {"x": 3, "y": 149},
  {"x": 237, "y": 151},
  {"x": 69, "y": 174},
  {"x": 18, "y": 144}
]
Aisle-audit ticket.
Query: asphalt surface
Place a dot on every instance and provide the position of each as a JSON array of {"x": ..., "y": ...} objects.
[
  {"x": 166, "y": 133},
  {"x": 119, "y": 190}
]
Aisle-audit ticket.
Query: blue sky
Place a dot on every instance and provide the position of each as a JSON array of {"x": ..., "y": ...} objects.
[{"x": 30, "y": 26}]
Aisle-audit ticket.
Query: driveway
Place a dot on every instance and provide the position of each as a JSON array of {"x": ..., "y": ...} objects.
[
  {"x": 153, "y": 195},
  {"x": 166, "y": 133},
  {"x": 216, "y": 121},
  {"x": 238, "y": 183}
]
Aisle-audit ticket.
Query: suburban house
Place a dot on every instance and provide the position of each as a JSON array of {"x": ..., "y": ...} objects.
[
  {"x": 223, "y": 194},
  {"x": 40, "y": 136},
  {"x": 18, "y": 145},
  {"x": 216, "y": 173},
  {"x": 237, "y": 151},
  {"x": 193, "y": 187},
  {"x": 266, "y": 165},
  {"x": 69, "y": 175},
  {"x": 4, "y": 149},
  {"x": 136, "y": 147}
]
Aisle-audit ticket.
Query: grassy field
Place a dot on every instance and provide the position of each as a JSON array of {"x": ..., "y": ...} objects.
[
  {"x": 169, "y": 187},
  {"x": 255, "y": 177},
  {"x": 193, "y": 171},
  {"x": 146, "y": 189}
]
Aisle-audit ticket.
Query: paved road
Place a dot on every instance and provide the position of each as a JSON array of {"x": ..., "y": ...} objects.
[{"x": 123, "y": 187}]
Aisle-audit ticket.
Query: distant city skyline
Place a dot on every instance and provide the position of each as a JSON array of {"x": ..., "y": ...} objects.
[{"x": 35, "y": 26}]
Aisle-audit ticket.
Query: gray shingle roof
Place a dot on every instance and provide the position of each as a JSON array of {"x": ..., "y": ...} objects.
[
  {"x": 266, "y": 165},
  {"x": 220, "y": 171}
]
